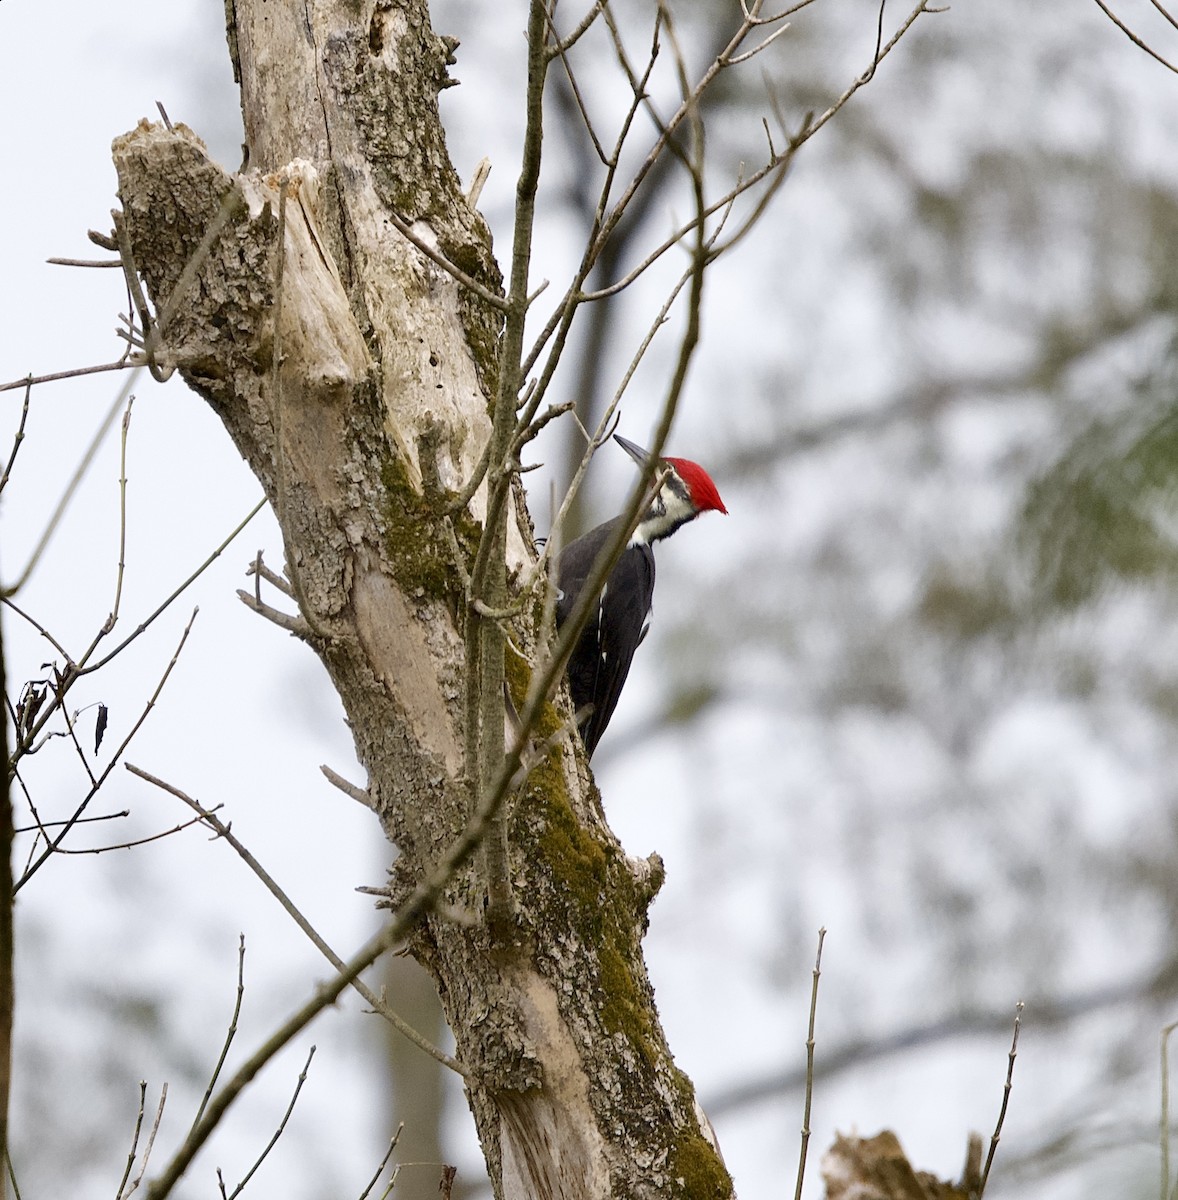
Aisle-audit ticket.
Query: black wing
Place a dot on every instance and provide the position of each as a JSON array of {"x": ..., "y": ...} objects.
[{"x": 601, "y": 660}]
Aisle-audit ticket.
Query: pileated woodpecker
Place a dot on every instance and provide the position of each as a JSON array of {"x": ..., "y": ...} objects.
[{"x": 601, "y": 659}]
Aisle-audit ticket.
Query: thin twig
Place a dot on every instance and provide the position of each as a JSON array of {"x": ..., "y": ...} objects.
[
  {"x": 72, "y": 734},
  {"x": 810, "y": 1065},
  {"x": 114, "y": 612},
  {"x": 71, "y": 487},
  {"x": 924, "y": 6},
  {"x": 1165, "y": 13},
  {"x": 41, "y": 826},
  {"x": 293, "y": 623},
  {"x": 132, "y": 1154},
  {"x": 359, "y": 794},
  {"x": 586, "y": 120},
  {"x": 143, "y": 841},
  {"x": 483, "y": 742},
  {"x": 384, "y": 1162},
  {"x": 224, "y": 832},
  {"x": 607, "y": 221},
  {"x": 73, "y": 373},
  {"x": 471, "y": 486},
  {"x": 870, "y": 74},
  {"x": 231, "y": 1032},
  {"x": 435, "y": 256},
  {"x": 143, "y": 626},
  {"x": 155, "y": 1128},
  {"x": 422, "y": 901},
  {"x": 51, "y": 848},
  {"x": 324, "y": 996},
  {"x": 1018, "y": 1017},
  {"x": 563, "y": 47},
  {"x": 258, "y": 568},
  {"x": 84, "y": 262},
  {"x": 764, "y": 44},
  {"x": 1165, "y": 1116},
  {"x": 755, "y": 21},
  {"x": 560, "y": 322},
  {"x": 1138, "y": 42},
  {"x": 18, "y": 437},
  {"x": 281, "y": 1127},
  {"x": 12, "y": 1175}
]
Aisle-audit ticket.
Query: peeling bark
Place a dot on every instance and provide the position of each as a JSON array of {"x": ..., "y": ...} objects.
[{"x": 358, "y": 392}]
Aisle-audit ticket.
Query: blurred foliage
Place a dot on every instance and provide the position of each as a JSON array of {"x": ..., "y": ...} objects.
[{"x": 1104, "y": 513}]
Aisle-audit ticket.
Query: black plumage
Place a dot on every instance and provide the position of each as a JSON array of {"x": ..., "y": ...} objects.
[
  {"x": 618, "y": 622},
  {"x": 616, "y": 626}
]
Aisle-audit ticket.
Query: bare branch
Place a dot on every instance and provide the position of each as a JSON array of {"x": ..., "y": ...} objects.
[
  {"x": 481, "y": 172},
  {"x": 133, "y": 1153},
  {"x": 870, "y": 73},
  {"x": 71, "y": 487},
  {"x": 575, "y": 89},
  {"x": 41, "y": 826},
  {"x": 143, "y": 841},
  {"x": 281, "y": 1127},
  {"x": 76, "y": 373},
  {"x": 465, "y": 496},
  {"x": 1137, "y": 41},
  {"x": 922, "y": 7},
  {"x": 762, "y": 45},
  {"x": 114, "y": 612},
  {"x": 231, "y": 1032},
  {"x": 809, "y": 1066},
  {"x": 224, "y": 832},
  {"x": 483, "y": 742},
  {"x": 1165, "y": 1111},
  {"x": 439, "y": 259},
  {"x": 259, "y": 569},
  {"x": 18, "y": 437},
  {"x": 562, "y": 48},
  {"x": 84, "y": 262},
  {"x": 155, "y": 1128},
  {"x": 973, "y": 1023},
  {"x": 754, "y": 21},
  {"x": 74, "y": 670},
  {"x": 294, "y": 624},
  {"x": 384, "y": 1162},
  {"x": 324, "y": 996},
  {"x": 52, "y": 847},
  {"x": 86, "y": 667},
  {"x": 1018, "y": 1016},
  {"x": 422, "y": 900},
  {"x": 1165, "y": 13},
  {"x": 349, "y": 789},
  {"x": 607, "y": 217}
]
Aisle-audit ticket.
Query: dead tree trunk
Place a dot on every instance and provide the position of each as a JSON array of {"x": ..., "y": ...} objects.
[{"x": 358, "y": 379}]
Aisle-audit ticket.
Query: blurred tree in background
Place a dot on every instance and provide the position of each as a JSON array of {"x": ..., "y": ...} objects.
[{"x": 920, "y": 688}]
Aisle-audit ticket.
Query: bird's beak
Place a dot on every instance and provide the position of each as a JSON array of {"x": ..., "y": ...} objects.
[{"x": 640, "y": 456}]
